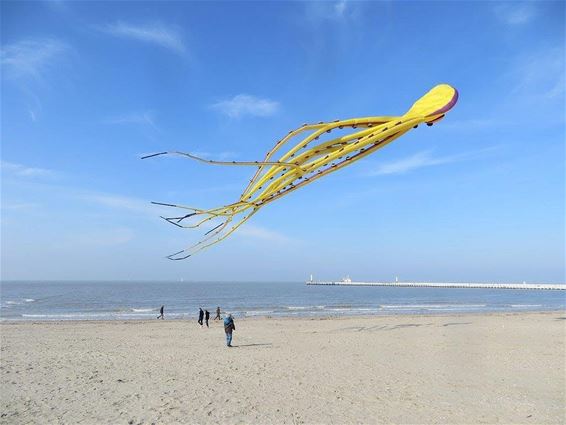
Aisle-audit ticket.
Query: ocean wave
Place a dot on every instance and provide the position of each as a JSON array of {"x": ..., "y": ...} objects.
[
  {"x": 430, "y": 306},
  {"x": 20, "y": 301},
  {"x": 352, "y": 309},
  {"x": 66, "y": 315},
  {"x": 258, "y": 313},
  {"x": 135, "y": 314},
  {"x": 143, "y": 310},
  {"x": 525, "y": 305},
  {"x": 306, "y": 307}
]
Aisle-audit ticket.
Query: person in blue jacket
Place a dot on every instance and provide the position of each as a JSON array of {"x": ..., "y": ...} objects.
[{"x": 229, "y": 327}]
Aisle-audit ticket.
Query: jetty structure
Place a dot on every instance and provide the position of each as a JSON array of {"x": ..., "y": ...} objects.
[{"x": 468, "y": 285}]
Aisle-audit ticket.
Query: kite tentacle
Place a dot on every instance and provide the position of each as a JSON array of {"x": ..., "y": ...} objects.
[
  {"x": 213, "y": 232},
  {"x": 175, "y": 222},
  {"x": 288, "y": 178},
  {"x": 214, "y": 162},
  {"x": 177, "y": 206},
  {"x": 200, "y": 247},
  {"x": 321, "y": 149},
  {"x": 321, "y": 128},
  {"x": 356, "y": 157}
]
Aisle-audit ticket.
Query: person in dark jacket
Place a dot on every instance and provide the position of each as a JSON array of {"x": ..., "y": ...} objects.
[
  {"x": 217, "y": 314},
  {"x": 229, "y": 327},
  {"x": 200, "y": 316},
  {"x": 206, "y": 317},
  {"x": 161, "y": 313}
]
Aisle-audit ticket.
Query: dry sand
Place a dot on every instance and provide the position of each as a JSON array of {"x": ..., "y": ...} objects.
[{"x": 498, "y": 368}]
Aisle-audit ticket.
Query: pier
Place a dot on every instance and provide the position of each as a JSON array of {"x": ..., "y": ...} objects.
[{"x": 466, "y": 285}]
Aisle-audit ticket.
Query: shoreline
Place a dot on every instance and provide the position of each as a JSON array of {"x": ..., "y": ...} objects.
[{"x": 273, "y": 318}]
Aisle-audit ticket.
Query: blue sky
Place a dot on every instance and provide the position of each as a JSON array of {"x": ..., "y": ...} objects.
[{"x": 88, "y": 87}]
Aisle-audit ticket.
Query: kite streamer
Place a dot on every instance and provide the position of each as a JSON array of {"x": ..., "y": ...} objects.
[{"x": 285, "y": 170}]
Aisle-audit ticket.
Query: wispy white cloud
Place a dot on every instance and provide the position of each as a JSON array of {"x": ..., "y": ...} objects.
[
  {"x": 515, "y": 13},
  {"x": 557, "y": 89},
  {"x": 100, "y": 237},
  {"x": 56, "y": 4},
  {"x": 20, "y": 170},
  {"x": 141, "y": 118},
  {"x": 331, "y": 10},
  {"x": 541, "y": 73},
  {"x": 472, "y": 124},
  {"x": 424, "y": 159},
  {"x": 20, "y": 206},
  {"x": 31, "y": 58},
  {"x": 139, "y": 207},
  {"x": 159, "y": 34},
  {"x": 404, "y": 165},
  {"x": 245, "y": 104},
  {"x": 120, "y": 202},
  {"x": 33, "y": 104},
  {"x": 340, "y": 8},
  {"x": 258, "y": 232}
]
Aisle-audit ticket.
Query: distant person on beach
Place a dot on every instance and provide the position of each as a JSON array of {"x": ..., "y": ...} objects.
[
  {"x": 161, "y": 313},
  {"x": 229, "y": 327},
  {"x": 217, "y": 314},
  {"x": 206, "y": 317},
  {"x": 200, "y": 316}
]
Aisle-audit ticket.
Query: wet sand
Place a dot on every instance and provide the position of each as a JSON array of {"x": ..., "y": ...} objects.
[{"x": 498, "y": 368}]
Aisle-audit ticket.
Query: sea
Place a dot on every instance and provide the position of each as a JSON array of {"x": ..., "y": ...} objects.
[{"x": 56, "y": 301}]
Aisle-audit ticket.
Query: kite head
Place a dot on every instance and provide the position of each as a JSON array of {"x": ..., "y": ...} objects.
[{"x": 435, "y": 103}]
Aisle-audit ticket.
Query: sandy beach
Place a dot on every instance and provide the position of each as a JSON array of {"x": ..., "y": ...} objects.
[{"x": 498, "y": 368}]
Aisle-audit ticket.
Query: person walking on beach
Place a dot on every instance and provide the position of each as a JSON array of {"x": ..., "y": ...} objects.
[
  {"x": 206, "y": 317},
  {"x": 229, "y": 327},
  {"x": 217, "y": 314},
  {"x": 161, "y": 314},
  {"x": 200, "y": 315}
]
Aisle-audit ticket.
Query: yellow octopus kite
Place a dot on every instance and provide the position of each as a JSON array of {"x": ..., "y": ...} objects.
[{"x": 283, "y": 172}]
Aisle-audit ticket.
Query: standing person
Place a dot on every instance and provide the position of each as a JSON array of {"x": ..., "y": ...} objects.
[
  {"x": 200, "y": 315},
  {"x": 206, "y": 317},
  {"x": 229, "y": 327},
  {"x": 161, "y": 313},
  {"x": 217, "y": 314}
]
